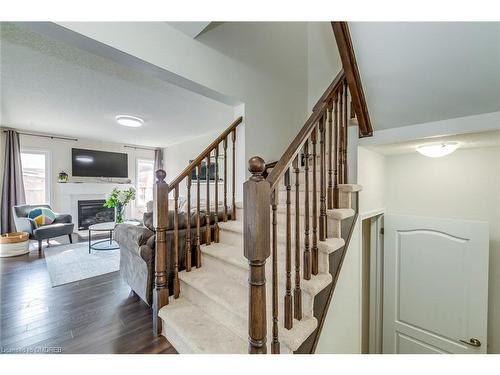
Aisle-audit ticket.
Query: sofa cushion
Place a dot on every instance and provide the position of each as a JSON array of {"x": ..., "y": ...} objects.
[
  {"x": 133, "y": 237},
  {"x": 42, "y": 216}
]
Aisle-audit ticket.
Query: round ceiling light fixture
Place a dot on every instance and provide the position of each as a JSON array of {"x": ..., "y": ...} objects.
[
  {"x": 437, "y": 150},
  {"x": 130, "y": 121}
]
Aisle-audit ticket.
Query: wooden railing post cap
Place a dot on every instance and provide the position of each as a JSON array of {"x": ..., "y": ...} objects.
[
  {"x": 160, "y": 176},
  {"x": 256, "y": 166}
]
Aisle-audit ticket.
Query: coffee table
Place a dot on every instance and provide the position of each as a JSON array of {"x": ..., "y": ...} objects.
[{"x": 108, "y": 244}]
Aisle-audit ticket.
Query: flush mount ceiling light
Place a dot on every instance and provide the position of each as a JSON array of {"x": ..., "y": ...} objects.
[
  {"x": 130, "y": 121},
  {"x": 437, "y": 150}
]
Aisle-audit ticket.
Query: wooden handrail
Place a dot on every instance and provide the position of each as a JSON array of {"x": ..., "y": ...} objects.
[
  {"x": 346, "y": 51},
  {"x": 282, "y": 165},
  {"x": 204, "y": 154}
]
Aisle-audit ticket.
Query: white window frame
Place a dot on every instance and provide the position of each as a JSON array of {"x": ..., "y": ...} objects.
[
  {"x": 48, "y": 170},
  {"x": 137, "y": 161}
]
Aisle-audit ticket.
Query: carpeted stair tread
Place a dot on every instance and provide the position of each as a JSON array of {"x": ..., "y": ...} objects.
[{"x": 191, "y": 330}]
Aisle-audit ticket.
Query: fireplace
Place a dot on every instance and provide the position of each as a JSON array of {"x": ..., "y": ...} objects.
[{"x": 92, "y": 212}]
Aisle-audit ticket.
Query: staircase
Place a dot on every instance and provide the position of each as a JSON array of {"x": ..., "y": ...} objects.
[
  {"x": 211, "y": 314},
  {"x": 286, "y": 240}
]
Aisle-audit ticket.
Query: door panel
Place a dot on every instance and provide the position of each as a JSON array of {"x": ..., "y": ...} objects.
[{"x": 435, "y": 285}]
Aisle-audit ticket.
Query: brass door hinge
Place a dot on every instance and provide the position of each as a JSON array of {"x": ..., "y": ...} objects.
[{"x": 381, "y": 231}]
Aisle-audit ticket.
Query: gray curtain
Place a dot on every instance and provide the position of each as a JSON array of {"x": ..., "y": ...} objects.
[
  {"x": 158, "y": 160},
  {"x": 13, "y": 186}
]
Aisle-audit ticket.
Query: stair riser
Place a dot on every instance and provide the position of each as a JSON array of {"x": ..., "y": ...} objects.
[{"x": 333, "y": 226}]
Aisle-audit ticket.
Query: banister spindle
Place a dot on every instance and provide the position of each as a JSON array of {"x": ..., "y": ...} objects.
[
  {"x": 314, "y": 260},
  {"x": 198, "y": 226},
  {"x": 322, "y": 180},
  {"x": 160, "y": 223},
  {"x": 224, "y": 146},
  {"x": 216, "y": 199},
  {"x": 188, "y": 224},
  {"x": 208, "y": 233},
  {"x": 288, "y": 257},
  {"x": 297, "y": 292},
  {"x": 307, "y": 250},
  {"x": 335, "y": 154},
  {"x": 346, "y": 135},
  {"x": 275, "y": 344},
  {"x": 257, "y": 201},
  {"x": 233, "y": 137},
  {"x": 341, "y": 136},
  {"x": 176, "y": 242},
  {"x": 330, "y": 157}
]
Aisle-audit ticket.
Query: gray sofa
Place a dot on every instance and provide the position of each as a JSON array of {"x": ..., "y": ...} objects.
[
  {"x": 61, "y": 226},
  {"x": 137, "y": 250}
]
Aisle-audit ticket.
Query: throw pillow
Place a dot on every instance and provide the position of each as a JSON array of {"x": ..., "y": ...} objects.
[{"x": 42, "y": 216}]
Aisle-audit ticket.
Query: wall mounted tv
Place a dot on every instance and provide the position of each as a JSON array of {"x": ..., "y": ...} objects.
[{"x": 92, "y": 163}]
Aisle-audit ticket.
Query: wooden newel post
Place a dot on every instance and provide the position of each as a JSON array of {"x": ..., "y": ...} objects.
[
  {"x": 160, "y": 222},
  {"x": 257, "y": 228}
]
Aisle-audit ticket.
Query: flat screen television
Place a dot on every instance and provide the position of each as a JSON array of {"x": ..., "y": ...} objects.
[{"x": 92, "y": 163}]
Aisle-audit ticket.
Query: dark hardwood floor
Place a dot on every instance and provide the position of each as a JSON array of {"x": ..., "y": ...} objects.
[{"x": 97, "y": 315}]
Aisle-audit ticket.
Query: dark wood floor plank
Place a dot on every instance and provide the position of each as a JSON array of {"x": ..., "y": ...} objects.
[{"x": 97, "y": 315}]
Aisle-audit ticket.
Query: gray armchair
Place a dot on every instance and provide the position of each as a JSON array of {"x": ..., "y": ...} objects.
[{"x": 61, "y": 226}]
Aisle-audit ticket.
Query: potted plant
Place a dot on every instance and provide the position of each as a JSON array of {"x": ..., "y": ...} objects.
[{"x": 118, "y": 199}]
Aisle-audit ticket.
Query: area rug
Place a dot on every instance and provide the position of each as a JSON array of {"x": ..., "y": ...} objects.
[{"x": 70, "y": 263}]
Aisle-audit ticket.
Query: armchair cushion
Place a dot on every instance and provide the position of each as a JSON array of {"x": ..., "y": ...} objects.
[{"x": 42, "y": 216}]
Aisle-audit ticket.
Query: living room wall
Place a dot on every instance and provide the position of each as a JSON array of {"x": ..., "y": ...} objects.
[{"x": 60, "y": 160}]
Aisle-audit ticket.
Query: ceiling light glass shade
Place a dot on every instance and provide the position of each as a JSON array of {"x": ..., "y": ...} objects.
[
  {"x": 130, "y": 121},
  {"x": 437, "y": 150}
]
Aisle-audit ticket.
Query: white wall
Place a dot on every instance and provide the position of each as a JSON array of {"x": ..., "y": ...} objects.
[
  {"x": 463, "y": 185},
  {"x": 261, "y": 64},
  {"x": 323, "y": 60},
  {"x": 342, "y": 327},
  {"x": 371, "y": 176},
  {"x": 60, "y": 157}
]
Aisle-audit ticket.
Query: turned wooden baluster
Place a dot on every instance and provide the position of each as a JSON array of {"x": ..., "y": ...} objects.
[
  {"x": 256, "y": 198},
  {"x": 341, "y": 135},
  {"x": 330, "y": 157},
  {"x": 198, "y": 228},
  {"x": 224, "y": 145},
  {"x": 216, "y": 199},
  {"x": 233, "y": 136},
  {"x": 314, "y": 261},
  {"x": 297, "y": 292},
  {"x": 176, "y": 242},
  {"x": 275, "y": 344},
  {"x": 188, "y": 229},
  {"x": 160, "y": 222},
  {"x": 336, "y": 154},
  {"x": 322, "y": 181},
  {"x": 288, "y": 258},
  {"x": 208, "y": 234},
  {"x": 346, "y": 131},
  {"x": 307, "y": 250}
]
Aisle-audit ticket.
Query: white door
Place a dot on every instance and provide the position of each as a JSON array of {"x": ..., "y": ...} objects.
[{"x": 435, "y": 285}]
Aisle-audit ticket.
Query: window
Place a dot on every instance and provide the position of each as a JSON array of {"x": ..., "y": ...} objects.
[
  {"x": 145, "y": 180},
  {"x": 36, "y": 176}
]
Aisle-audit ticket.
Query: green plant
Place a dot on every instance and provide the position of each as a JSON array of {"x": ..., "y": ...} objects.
[{"x": 120, "y": 197}]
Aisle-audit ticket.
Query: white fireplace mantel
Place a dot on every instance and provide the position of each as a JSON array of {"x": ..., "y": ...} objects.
[{"x": 71, "y": 192}]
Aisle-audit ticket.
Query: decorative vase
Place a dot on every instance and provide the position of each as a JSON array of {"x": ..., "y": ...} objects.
[
  {"x": 63, "y": 177},
  {"x": 119, "y": 213}
]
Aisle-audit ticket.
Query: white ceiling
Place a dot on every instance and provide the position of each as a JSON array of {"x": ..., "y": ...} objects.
[
  {"x": 52, "y": 87},
  {"x": 415, "y": 73},
  {"x": 471, "y": 140}
]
